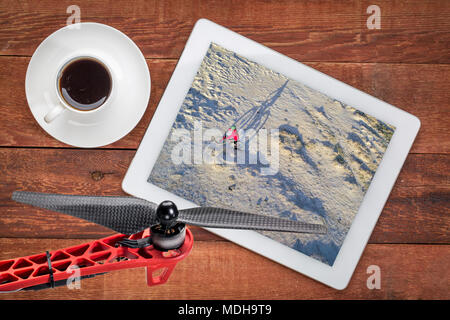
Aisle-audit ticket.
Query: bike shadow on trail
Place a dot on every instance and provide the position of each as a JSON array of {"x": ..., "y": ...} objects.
[{"x": 255, "y": 118}]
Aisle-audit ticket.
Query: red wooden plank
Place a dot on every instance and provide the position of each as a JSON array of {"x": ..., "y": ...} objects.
[
  {"x": 416, "y": 212},
  {"x": 417, "y": 89},
  {"x": 411, "y": 32},
  {"x": 222, "y": 270}
]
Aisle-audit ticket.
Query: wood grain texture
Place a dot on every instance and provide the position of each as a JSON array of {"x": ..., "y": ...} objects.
[
  {"x": 416, "y": 212},
  {"x": 417, "y": 89},
  {"x": 406, "y": 63},
  {"x": 222, "y": 270},
  {"x": 411, "y": 32}
]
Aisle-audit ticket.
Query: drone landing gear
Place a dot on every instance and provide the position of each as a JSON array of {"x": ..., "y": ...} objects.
[{"x": 94, "y": 258}]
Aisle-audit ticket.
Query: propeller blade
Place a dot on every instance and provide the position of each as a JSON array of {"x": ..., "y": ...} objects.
[
  {"x": 230, "y": 219},
  {"x": 127, "y": 215}
]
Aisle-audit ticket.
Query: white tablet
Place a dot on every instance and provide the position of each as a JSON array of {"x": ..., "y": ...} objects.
[{"x": 242, "y": 126}]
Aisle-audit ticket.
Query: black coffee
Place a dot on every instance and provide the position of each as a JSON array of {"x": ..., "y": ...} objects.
[{"x": 85, "y": 84}]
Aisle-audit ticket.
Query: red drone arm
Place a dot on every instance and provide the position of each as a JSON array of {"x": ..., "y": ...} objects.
[{"x": 91, "y": 258}]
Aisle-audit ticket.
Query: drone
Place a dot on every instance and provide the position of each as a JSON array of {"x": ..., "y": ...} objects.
[{"x": 149, "y": 235}]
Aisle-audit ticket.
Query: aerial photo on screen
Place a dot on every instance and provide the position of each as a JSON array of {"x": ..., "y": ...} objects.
[{"x": 251, "y": 139}]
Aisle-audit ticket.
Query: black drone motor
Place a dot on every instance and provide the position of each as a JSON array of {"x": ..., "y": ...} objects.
[{"x": 168, "y": 234}]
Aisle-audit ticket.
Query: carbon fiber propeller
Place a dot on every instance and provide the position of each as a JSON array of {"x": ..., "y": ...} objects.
[
  {"x": 129, "y": 215},
  {"x": 224, "y": 218}
]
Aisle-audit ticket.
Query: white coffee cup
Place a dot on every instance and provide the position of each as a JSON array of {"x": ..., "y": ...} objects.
[{"x": 63, "y": 105}]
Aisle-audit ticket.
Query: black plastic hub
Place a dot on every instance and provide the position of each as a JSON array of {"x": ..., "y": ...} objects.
[{"x": 167, "y": 213}]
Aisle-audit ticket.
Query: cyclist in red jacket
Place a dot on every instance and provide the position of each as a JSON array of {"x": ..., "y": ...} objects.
[{"x": 231, "y": 134}]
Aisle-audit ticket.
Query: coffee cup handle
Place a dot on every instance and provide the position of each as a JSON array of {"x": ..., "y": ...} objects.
[{"x": 54, "y": 113}]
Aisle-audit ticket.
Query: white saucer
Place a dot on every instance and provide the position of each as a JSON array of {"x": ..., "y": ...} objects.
[{"x": 131, "y": 96}]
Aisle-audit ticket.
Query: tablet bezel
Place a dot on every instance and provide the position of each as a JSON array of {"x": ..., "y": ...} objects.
[{"x": 407, "y": 126}]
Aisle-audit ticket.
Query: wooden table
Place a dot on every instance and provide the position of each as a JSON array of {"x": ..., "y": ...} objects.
[{"x": 405, "y": 63}]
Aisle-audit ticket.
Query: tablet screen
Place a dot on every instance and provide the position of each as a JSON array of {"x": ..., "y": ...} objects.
[{"x": 250, "y": 139}]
